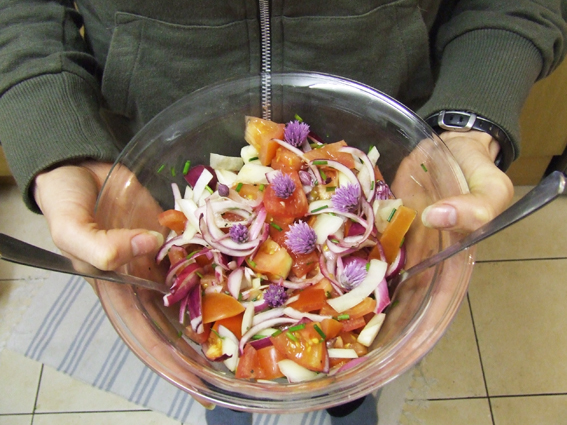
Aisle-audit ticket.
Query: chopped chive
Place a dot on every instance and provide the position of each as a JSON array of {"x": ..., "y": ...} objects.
[
  {"x": 276, "y": 333},
  {"x": 253, "y": 159},
  {"x": 343, "y": 317},
  {"x": 319, "y": 331},
  {"x": 391, "y": 215},
  {"x": 328, "y": 294},
  {"x": 209, "y": 189},
  {"x": 217, "y": 334},
  {"x": 320, "y": 162},
  {"x": 394, "y": 303},
  {"x": 424, "y": 167},
  {"x": 240, "y": 297},
  {"x": 316, "y": 145},
  {"x": 291, "y": 336},
  {"x": 367, "y": 266},
  {"x": 261, "y": 188},
  {"x": 335, "y": 240},
  {"x": 330, "y": 188},
  {"x": 402, "y": 242},
  {"x": 297, "y": 327},
  {"x": 161, "y": 167},
  {"x": 252, "y": 263},
  {"x": 173, "y": 172},
  {"x": 298, "y": 118},
  {"x": 257, "y": 337},
  {"x": 275, "y": 226},
  {"x": 323, "y": 175},
  {"x": 191, "y": 254},
  {"x": 238, "y": 187},
  {"x": 320, "y": 208},
  {"x": 199, "y": 274},
  {"x": 179, "y": 334},
  {"x": 361, "y": 161},
  {"x": 372, "y": 185},
  {"x": 186, "y": 167},
  {"x": 214, "y": 265}
]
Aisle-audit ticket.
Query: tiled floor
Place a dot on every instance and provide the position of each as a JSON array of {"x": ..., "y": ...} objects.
[{"x": 502, "y": 362}]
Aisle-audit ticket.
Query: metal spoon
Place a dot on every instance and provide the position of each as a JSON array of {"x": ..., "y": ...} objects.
[
  {"x": 545, "y": 192},
  {"x": 17, "y": 251}
]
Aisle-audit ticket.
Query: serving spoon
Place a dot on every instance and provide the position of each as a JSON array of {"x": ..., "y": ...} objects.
[
  {"x": 542, "y": 194},
  {"x": 17, "y": 251}
]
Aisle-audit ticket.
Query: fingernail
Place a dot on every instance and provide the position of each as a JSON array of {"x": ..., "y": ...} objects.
[
  {"x": 439, "y": 216},
  {"x": 145, "y": 243}
]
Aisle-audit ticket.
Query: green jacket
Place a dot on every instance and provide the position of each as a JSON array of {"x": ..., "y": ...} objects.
[{"x": 66, "y": 98}]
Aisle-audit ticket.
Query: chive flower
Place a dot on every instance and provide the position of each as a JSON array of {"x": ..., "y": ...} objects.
[
  {"x": 353, "y": 274},
  {"x": 382, "y": 190},
  {"x": 296, "y": 132},
  {"x": 346, "y": 198},
  {"x": 238, "y": 233},
  {"x": 275, "y": 295},
  {"x": 283, "y": 185},
  {"x": 301, "y": 238}
]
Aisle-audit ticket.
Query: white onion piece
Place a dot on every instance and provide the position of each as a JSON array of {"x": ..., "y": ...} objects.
[
  {"x": 188, "y": 194},
  {"x": 252, "y": 203},
  {"x": 325, "y": 225},
  {"x": 229, "y": 348},
  {"x": 329, "y": 276},
  {"x": 398, "y": 262},
  {"x": 342, "y": 353},
  {"x": 226, "y": 177},
  {"x": 189, "y": 208},
  {"x": 296, "y": 314},
  {"x": 203, "y": 180},
  {"x": 266, "y": 324},
  {"x": 234, "y": 281},
  {"x": 177, "y": 241},
  {"x": 247, "y": 318},
  {"x": 375, "y": 275},
  {"x": 369, "y": 332},
  {"x": 176, "y": 191},
  {"x": 252, "y": 173},
  {"x": 296, "y": 373},
  {"x": 267, "y": 315},
  {"x": 257, "y": 224},
  {"x": 343, "y": 169},
  {"x": 373, "y": 155},
  {"x": 222, "y": 162},
  {"x": 369, "y": 189}
]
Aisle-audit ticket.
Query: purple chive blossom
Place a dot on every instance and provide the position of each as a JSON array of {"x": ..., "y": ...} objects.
[
  {"x": 238, "y": 233},
  {"x": 223, "y": 189},
  {"x": 283, "y": 185},
  {"x": 353, "y": 274},
  {"x": 346, "y": 198},
  {"x": 295, "y": 133},
  {"x": 301, "y": 238},
  {"x": 382, "y": 190},
  {"x": 275, "y": 295}
]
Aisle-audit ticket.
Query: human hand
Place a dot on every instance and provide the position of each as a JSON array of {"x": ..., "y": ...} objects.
[
  {"x": 491, "y": 190},
  {"x": 67, "y": 195}
]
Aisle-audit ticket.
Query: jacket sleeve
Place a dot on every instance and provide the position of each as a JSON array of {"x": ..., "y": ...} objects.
[
  {"x": 490, "y": 53},
  {"x": 49, "y": 92}
]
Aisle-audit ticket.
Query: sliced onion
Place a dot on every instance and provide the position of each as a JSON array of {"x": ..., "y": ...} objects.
[
  {"x": 300, "y": 315},
  {"x": 261, "y": 343},
  {"x": 194, "y": 305},
  {"x": 234, "y": 282},
  {"x": 266, "y": 324},
  {"x": 343, "y": 169},
  {"x": 177, "y": 241},
  {"x": 323, "y": 267},
  {"x": 267, "y": 315},
  {"x": 371, "y": 189},
  {"x": 382, "y": 296},
  {"x": 398, "y": 263},
  {"x": 351, "y": 364},
  {"x": 186, "y": 280}
]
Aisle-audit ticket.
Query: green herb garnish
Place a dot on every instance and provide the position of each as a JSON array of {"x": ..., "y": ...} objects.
[
  {"x": 261, "y": 188},
  {"x": 186, "y": 167},
  {"x": 320, "y": 208},
  {"x": 391, "y": 215},
  {"x": 343, "y": 317},
  {"x": 319, "y": 331},
  {"x": 320, "y": 162},
  {"x": 238, "y": 187},
  {"x": 275, "y": 226},
  {"x": 424, "y": 167},
  {"x": 161, "y": 167},
  {"x": 330, "y": 188},
  {"x": 297, "y": 327},
  {"x": 253, "y": 159},
  {"x": 291, "y": 336}
]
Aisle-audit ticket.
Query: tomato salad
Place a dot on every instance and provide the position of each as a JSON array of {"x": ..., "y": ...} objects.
[{"x": 279, "y": 257}]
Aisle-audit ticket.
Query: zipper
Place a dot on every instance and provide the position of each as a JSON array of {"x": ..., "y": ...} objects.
[{"x": 266, "y": 58}]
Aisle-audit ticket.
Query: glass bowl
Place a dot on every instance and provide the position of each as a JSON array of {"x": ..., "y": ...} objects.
[{"x": 414, "y": 161}]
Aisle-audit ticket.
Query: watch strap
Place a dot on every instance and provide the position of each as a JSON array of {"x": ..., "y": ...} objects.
[{"x": 466, "y": 121}]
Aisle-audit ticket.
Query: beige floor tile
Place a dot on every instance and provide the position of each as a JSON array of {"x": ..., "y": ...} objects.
[
  {"x": 59, "y": 392},
  {"x": 16, "y": 419},
  {"x": 541, "y": 235},
  {"x": 540, "y": 410},
  {"x": 19, "y": 378},
  {"x": 520, "y": 318},
  {"x": 17, "y": 221},
  {"x": 109, "y": 418},
  {"x": 448, "y": 412},
  {"x": 452, "y": 369}
]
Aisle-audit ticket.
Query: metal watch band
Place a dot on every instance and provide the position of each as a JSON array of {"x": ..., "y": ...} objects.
[{"x": 467, "y": 121}]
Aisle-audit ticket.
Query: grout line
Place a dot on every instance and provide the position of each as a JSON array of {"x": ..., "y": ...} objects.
[
  {"x": 37, "y": 393},
  {"x": 513, "y": 260},
  {"x": 91, "y": 411},
  {"x": 480, "y": 360},
  {"x": 496, "y": 396}
]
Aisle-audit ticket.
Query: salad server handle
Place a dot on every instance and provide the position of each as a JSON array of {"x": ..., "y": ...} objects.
[
  {"x": 20, "y": 252},
  {"x": 542, "y": 194}
]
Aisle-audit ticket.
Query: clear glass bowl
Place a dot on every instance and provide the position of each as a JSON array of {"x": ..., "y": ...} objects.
[{"x": 414, "y": 161}]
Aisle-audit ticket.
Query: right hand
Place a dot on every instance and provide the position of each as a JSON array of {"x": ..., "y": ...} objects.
[{"x": 66, "y": 196}]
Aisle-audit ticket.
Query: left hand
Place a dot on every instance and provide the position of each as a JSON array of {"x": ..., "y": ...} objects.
[{"x": 491, "y": 190}]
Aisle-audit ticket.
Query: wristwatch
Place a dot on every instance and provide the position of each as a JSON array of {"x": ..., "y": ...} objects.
[{"x": 467, "y": 121}]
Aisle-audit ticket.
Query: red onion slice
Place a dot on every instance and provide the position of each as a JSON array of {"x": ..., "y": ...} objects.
[
  {"x": 382, "y": 296},
  {"x": 186, "y": 280},
  {"x": 369, "y": 166},
  {"x": 266, "y": 324},
  {"x": 234, "y": 282}
]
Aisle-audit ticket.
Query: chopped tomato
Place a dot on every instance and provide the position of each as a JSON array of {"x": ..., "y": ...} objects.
[
  {"x": 271, "y": 260},
  {"x": 285, "y": 160},
  {"x": 327, "y": 190},
  {"x": 310, "y": 299},
  {"x": 249, "y": 191},
  {"x": 217, "y": 306},
  {"x": 213, "y": 348},
  {"x": 293, "y": 207},
  {"x": 268, "y": 358},
  {"x": 233, "y": 324},
  {"x": 278, "y": 228},
  {"x": 331, "y": 328},
  {"x": 353, "y": 323},
  {"x": 303, "y": 263},
  {"x": 306, "y": 347},
  {"x": 173, "y": 219},
  {"x": 367, "y": 305},
  {"x": 331, "y": 151},
  {"x": 349, "y": 340},
  {"x": 395, "y": 231},
  {"x": 248, "y": 364},
  {"x": 259, "y": 133},
  {"x": 198, "y": 338},
  {"x": 176, "y": 254}
]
